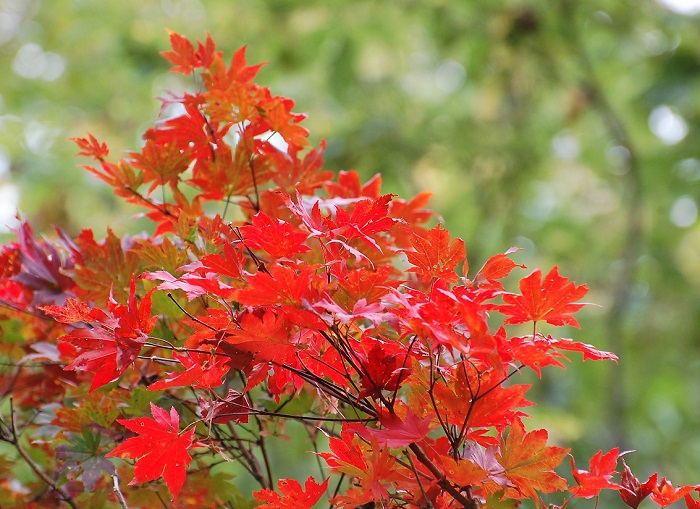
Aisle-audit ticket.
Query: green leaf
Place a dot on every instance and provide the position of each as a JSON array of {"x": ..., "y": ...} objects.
[{"x": 81, "y": 459}]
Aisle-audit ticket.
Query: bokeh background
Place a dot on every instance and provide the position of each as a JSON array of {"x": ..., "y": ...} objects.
[{"x": 567, "y": 128}]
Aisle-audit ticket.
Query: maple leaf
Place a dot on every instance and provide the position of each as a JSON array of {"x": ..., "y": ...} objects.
[
  {"x": 277, "y": 237},
  {"x": 589, "y": 351},
  {"x": 368, "y": 217},
  {"x": 384, "y": 366},
  {"x": 345, "y": 456},
  {"x": 269, "y": 337},
  {"x": 434, "y": 255},
  {"x": 690, "y": 502},
  {"x": 597, "y": 477},
  {"x": 552, "y": 300},
  {"x": 665, "y": 494},
  {"x": 103, "y": 269},
  {"x": 160, "y": 450},
  {"x": 185, "y": 58},
  {"x": 160, "y": 164},
  {"x": 110, "y": 342},
  {"x": 632, "y": 492},
  {"x": 362, "y": 283},
  {"x": 291, "y": 173},
  {"x": 195, "y": 283},
  {"x": 540, "y": 351},
  {"x": 73, "y": 311},
  {"x": 529, "y": 463},
  {"x": 497, "y": 267},
  {"x": 190, "y": 132},
  {"x": 281, "y": 285},
  {"x": 121, "y": 177},
  {"x": 81, "y": 455},
  {"x": 41, "y": 267},
  {"x": 239, "y": 72},
  {"x": 233, "y": 407},
  {"x": 202, "y": 370},
  {"x": 278, "y": 114},
  {"x": 350, "y": 186},
  {"x": 396, "y": 432},
  {"x": 481, "y": 396},
  {"x": 373, "y": 466},
  {"x": 291, "y": 495},
  {"x": 90, "y": 147}
]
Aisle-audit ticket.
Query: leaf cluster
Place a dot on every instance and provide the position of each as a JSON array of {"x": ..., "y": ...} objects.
[{"x": 268, "y": 281}]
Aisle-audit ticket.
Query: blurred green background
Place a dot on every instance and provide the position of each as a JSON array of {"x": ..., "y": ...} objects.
[{"x": 567, "y": 128}]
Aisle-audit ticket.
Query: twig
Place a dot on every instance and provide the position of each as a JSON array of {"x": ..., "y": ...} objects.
[
  {"x": 118, "y": 492},
  {"x": 442, "y": 481},
  {"x": 40, "y": 473}
]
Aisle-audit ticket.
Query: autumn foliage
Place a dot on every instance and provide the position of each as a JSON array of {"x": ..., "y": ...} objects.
[{"x": 138, "y": 368}]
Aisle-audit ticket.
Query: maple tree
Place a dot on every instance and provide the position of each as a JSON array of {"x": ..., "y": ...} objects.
[{"x": 267, "y": 281}]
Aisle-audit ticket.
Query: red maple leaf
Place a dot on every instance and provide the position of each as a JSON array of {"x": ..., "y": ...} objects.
[
  {"x": 434, "y": 255},
  {"x": 345, "y": 456},
  {"x": 73, "y": 311},
  {"x": 292, "y": 496},
  {"x": 395, "y": 432},
  {"x": 690, "y": 502},
  {"x": 160, "y": 450},
  {"x": 367, "y": 218},
  {"x": 190, "y": 132},
  {"x": 600, "y": 470},
  {"x": 202, "y": 370},
  {"x": 552, "y": 300},
  {"x": 280, "y": 285},
  {"x": 275, "y": 236},
  {"x": 111, "y": 341},
  {"x": 529, "y": 464},
  {"x": 384, "y": 366}
]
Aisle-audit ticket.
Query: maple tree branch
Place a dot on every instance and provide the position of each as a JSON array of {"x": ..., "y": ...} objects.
[
  {"x": 431, "y": 393},
  {"x": 442, "y": 481},
  {"x": 333, "y": 343},
  {"x": 252, "y": 462},
  {"x": 321, "y": 418},
  {"x": 263, "y": 449},
  {"x": 331, "y": 389},
  {"x": 420, "y": 484},
  {"x": 188, "y": 314},
  {"x": 256, "y": 203},
  {"x": 14, "y": 440}
]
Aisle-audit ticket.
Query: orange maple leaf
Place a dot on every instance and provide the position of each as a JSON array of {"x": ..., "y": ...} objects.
[
  {"x": 292, "y": 496},
  {"x": 529, "y": 463}
]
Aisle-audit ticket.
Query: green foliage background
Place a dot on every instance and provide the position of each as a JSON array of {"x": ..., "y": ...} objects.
[{"x": 531, "y": 121}]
